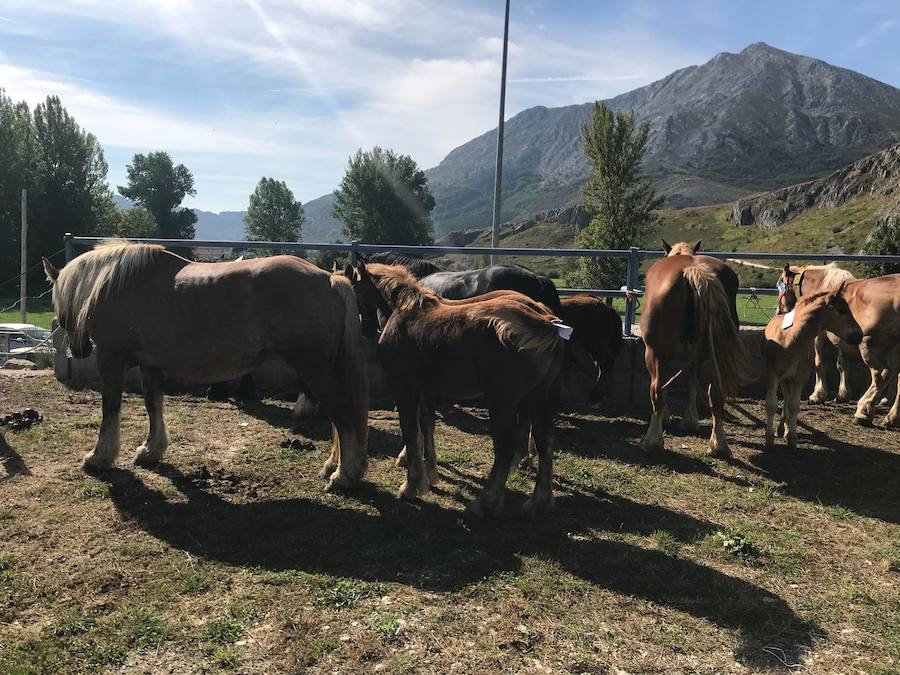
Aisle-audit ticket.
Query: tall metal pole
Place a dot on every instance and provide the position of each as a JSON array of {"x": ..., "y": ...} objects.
[
  {"x": 498, "y": 175},
  {"x": 23, "y": 264}
]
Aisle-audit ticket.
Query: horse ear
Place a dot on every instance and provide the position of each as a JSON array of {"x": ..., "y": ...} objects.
[
  {"x": 349, "y": 272},
  {"x": 666, "y": 247},
  {"x": 50, "y": 270},
  {"x": 843, "y": 287},
  {"x": 697, "y": 246},
  {"x": 361, "y": 270}
]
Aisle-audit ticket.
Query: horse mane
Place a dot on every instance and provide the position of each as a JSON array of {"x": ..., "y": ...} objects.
[
  {"x": 91, "y": 276},
  {"x": 681, "y": 248},
  {"x": 515, "y": 324},
  {"x": 834, "y": 275},
  {"x": 809, "y": 299},
  {"x": 401, "y": 287}
]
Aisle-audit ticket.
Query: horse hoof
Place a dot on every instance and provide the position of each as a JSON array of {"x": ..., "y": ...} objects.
[
  {"x": 891, "y": 422},
  {"x": 652, "y": 446},
  {"x": 338, "y": 481},
  {"x": 720, "y": 451},
  {"x": 770, "y": 442},
  {"x": 534, "y": 506},
  {"x": 144, "y": 458},
  {"x": 475, "y": 509},
  {"x": 90, "y": 464},
  {"x": 862, "y": 420},
  {"x": 412, "y": 491}
]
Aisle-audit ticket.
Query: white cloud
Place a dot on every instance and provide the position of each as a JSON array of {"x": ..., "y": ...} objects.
[{"x": 418, "y": 76}]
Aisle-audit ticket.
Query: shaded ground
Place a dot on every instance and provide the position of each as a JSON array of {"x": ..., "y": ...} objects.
[{"x": 230, "y": 557}]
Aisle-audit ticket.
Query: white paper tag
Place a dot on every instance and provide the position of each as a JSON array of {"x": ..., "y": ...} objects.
[
  {"x": 565, "y": 332},
  {"x": 788, "y": 320}
]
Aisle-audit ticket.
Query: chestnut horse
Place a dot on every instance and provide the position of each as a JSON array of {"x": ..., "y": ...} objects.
[
  {"x": 789, "y": 354},
  {"x": 503, "y": 347},
  {"x": 875, "y": 304},
  {"x": 208, "y": 322},
  {"x": 690, "y": 315},
  {"x": 812, "y": 279}
]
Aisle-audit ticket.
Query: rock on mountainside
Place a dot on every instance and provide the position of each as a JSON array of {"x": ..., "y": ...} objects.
[{"x": 877, "y": 175}]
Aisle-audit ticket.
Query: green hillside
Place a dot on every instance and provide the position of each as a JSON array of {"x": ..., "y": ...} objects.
[{"x": 816, "y": 230}]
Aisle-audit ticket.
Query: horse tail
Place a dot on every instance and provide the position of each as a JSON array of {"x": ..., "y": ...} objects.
[
  {"x": 717, "y": 335},
  {"x": 352, "y": 361},
  {"x": 518, "y": 326}
]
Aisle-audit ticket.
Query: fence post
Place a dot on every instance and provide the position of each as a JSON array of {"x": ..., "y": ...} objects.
[
  {"x": 70, "y": 252},
  {"x": 634, "y": 261},
  {"x": 354, "y": 251}
]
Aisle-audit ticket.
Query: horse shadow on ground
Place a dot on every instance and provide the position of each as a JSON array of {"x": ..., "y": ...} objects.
[
  {"x": 833, "y": 472},
  {"x": 13, "y": 464},
  {"x": 429, "y": 547}
]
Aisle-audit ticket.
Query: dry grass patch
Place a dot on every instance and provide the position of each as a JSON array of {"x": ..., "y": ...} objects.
[{"x": 229, "y": 557}]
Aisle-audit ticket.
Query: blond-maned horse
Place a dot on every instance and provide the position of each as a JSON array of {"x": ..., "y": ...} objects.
[
  {"x": 875, "y": 304},
  {"x": 789, "y": 354},
  {"x": 208, "y": 322},
  {"x": 812, "y": 279},
  {"x": 504, "y": 348},
  {"x": 690, "y": 316}
]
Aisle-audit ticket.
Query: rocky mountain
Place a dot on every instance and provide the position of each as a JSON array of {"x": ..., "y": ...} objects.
[
  {"x": 738, "y": 124},
  {"x": 876, "y": 177}
]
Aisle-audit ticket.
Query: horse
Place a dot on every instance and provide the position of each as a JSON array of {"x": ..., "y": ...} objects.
[
  {"x": 812, "y": 279},
  {"x": 469, "y": 283},
  {"x": 875, "y": 304},
  {"x": 789, "y": 353},
  {"x": 690, "y": 315},
  {"x": 597, "y": 327},
  {"x": 209, "y": 322},
  {"x": 503, "y": 348}
]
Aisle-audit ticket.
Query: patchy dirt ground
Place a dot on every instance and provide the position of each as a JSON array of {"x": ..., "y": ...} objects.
[{"x": 229, "y": 557}]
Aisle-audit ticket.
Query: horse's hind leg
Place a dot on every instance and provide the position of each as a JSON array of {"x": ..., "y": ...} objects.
[
  {"x": 112, "y": 374},
  {"x": 653, "y": 438},
  {"x": 820, "y": 393},
  {"x": 690, "y": 421},
  {"x": 542, "y": 433},
  {"x": 865, "y": 408},
  {"x": 843, "y": 394},
  {"x": 410, "y": 418},
  {"x": 427, "y": 419},
  {"x": 892, "y": 419},
  {"x": 152, "y": 381},
  {"x": 771, "y": 409},
  {"x": 718, "y": 443},
  {"x": 792, "y": 410},
  {"x": 504, "y": 434}
]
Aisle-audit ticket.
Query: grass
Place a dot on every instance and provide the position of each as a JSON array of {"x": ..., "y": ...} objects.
[
  {"x": 229, "y": 560},
  {"x": 40, "y": 312}
]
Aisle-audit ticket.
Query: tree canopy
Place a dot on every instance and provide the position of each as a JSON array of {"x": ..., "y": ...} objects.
[
  {"x": 62, "y": 167},
  {"x": 621, "y": 200},
  {"x": 384, "y": 199},
  {"x": 273, "y": 214},
  {"x": 158, "y": 185}
]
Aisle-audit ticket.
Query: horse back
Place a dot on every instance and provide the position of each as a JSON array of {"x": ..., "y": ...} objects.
[{"x": 875, "y": 304}]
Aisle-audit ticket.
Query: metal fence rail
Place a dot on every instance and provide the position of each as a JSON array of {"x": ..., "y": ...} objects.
[{"x": 633, "y": 255}]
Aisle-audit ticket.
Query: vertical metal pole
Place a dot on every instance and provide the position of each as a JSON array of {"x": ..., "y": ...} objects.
[
  {"x": 634, "y": 262},
  {"x": 354, "y": 250},
  {"x": 498, "y": 174},
  {"x": 23, "y": 264},
  {"x": 70, "y": 249}
]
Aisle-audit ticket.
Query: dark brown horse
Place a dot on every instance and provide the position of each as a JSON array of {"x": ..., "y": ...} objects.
[
  {"x": 504, "y": 348},
  {"x": 208, "y": 322},
  {"x": 690, "y": 315}
]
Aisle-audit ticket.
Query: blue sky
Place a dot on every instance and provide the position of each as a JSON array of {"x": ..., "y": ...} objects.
[{"x": 238, "y": 89}]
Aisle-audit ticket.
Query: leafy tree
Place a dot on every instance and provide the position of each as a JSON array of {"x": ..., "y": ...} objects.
[
  {"x": 384, "y": 199},
  {"x": 63, "y": 168},
  {"x": 884, "y": 239},
  {"x": 273, "y": 213},
  {"x": 155, "y": 183},
  {"x": 621, "y": 200},
  {"x": 137, "y": 223}
]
